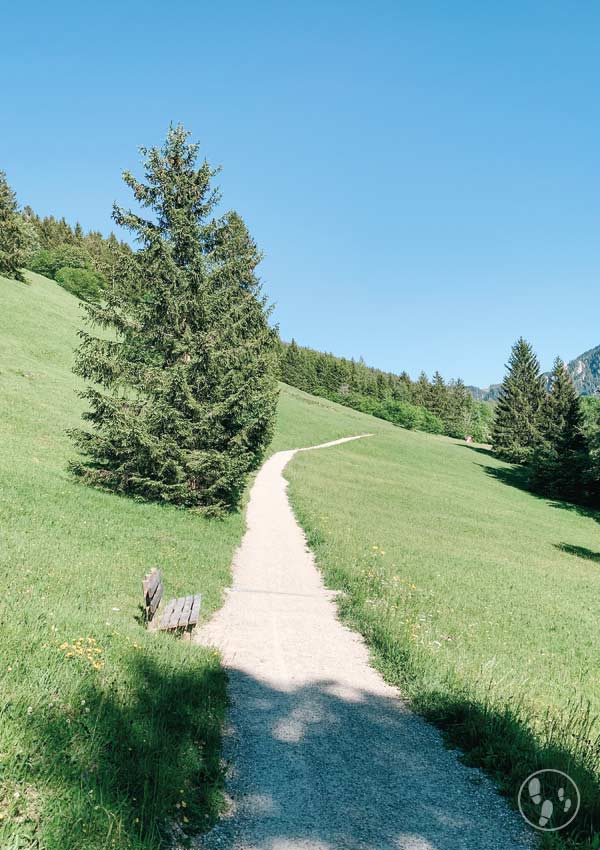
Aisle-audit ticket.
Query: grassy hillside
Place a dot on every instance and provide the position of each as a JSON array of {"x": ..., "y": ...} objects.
[
  {"x": 480, "y": 599},
  {"x": 106, "y": 731}
]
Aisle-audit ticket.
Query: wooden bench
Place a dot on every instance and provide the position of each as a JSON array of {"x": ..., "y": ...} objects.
[{"x": 182, "y": 613}]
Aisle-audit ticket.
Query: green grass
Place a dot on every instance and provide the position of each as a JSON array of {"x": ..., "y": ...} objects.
[
  {"x": 479, "y": 599},
  {"x": 106, "y": 730},
  {"x": 307, "y": 420}
]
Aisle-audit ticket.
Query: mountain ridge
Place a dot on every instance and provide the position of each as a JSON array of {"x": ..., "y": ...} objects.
[{"x": 584, "y": 370}]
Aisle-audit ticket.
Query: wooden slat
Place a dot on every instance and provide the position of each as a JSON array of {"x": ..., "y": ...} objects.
[
  {"x": 176, "y": 614},
  {"x": 195, "y": 614},
  {"x": 155, "y": 601},
  {"x": 184, "y": 617},
  {"x": 166, "y": 617},
  {"x": 150, "y": 584}
]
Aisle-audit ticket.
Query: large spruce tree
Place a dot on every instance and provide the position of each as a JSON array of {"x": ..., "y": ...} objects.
[
  {"x": 13, "y": 242},
  {"x": 559, "y": 462},
  {"x": 516, "y": 427},
  {"x": 183, "y": 390}
]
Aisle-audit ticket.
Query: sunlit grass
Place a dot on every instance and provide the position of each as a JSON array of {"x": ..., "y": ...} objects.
[
  {"x": 471, "y": 593},
  {"x": 108, "y": 734},
  {"x": 478, "y": 598}
]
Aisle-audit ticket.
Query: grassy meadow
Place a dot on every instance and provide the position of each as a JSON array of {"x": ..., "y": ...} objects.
[
  {"x": 479, "y": 599},
  {"x": 107, "y": 733}
]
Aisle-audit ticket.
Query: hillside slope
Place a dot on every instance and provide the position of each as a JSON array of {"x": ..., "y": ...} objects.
[
  {"x": 478, "y": 598},
  {"x": 474, "y": 595},
  {"x": 106, "y": 730}
]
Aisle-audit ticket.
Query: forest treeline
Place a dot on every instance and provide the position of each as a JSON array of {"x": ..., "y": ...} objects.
[
  {"x": 537, "y": 422},
  {"x": 427, "y": 405},
  {"x": 83, "y": 263},
  {"x": 89, "y": 264}
]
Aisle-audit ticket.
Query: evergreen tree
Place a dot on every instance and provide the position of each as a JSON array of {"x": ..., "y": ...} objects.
[
  {"x": 432, "y": 406},
  {"x": 13, "y": 238},
  {"x": 403, "y": 390},
  {"x": 290, "y": 364},
  {"x": 438, "y": 401},
  {"x": 380, "y": 386},
  {"x": 54, "y": 245},
  {"x": 422, "y": 390},
  {"x": 559, "y": 462},
  {"x": 460, "y": 412},
  {"x": 516, "y": 428},
  {"x": 184, "y": 393},
  {"x": 31, "y": 242}
]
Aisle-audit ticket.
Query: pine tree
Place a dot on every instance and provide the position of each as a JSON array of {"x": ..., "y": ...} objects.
[
  {"x": 438, "y": 401},
  {"x": 13, "y": 239},
  {"x": 459, "y": 414},
  {"x": 422, "y": 391},
  {"x": 184, "y": 391},
  {"x": 291, "y": 364},
  {"x": 403, "y": 390},
  {"x": 381, "y": 388},
  {"x": 515, "y": 432},
  {"x": 559, "y": 462}
]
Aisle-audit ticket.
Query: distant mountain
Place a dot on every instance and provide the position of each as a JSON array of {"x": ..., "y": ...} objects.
[
  {"x": 585, "y": 371},
  {"x": 486, "y": 394}
]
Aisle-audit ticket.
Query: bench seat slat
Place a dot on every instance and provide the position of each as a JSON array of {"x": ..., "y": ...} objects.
[
  {"x": 195, "y": 613},
  {"x": 180, "y": 613},
  {"x": 184, "y": 617},
  {"x": 176, "y": 613},
  {"x": 164, "y": 620}
]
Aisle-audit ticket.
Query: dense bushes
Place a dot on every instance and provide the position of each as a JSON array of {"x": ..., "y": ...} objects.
[
  {"x": 83, "y": 263},
  {"x": 401, "y": 413},
  {"x": 48, "y": 261},
  {"x": 83, "y": 283},
  {"x": 70, "y": 266},
  {"x": 433, "y": 406}
]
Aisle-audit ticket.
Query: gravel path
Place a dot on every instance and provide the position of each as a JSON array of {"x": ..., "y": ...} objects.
[{"x": 323, "y": 753}]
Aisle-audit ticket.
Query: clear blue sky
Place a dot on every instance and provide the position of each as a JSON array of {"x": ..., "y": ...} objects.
[{"x": 423, "y": 176}]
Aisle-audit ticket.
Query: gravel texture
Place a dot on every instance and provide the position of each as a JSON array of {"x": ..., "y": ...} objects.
[{"x": 322, "y": 753}]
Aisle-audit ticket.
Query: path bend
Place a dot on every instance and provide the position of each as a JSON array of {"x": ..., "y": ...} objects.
[{"x": 322, "y": 753}]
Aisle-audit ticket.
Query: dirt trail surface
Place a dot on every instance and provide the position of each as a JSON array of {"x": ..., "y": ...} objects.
[{"x": 323, "y": 753}]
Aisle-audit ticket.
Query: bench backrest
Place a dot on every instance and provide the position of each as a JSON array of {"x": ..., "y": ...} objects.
[{"x": 152, "y": 588}]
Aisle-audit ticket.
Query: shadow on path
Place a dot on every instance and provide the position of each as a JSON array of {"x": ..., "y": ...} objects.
[{"x": 323, "y": 766}]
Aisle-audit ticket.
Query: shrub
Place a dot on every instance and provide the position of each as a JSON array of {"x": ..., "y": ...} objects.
[
  {"x": 49, "y": 261},
  {"x": 431, "y": 423},
  {"x": 481, "y": 421},
  {"x": 83, "y": 283}
]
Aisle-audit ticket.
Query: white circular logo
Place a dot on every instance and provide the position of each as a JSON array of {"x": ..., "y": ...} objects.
[{"x": 549, "y": 800}]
